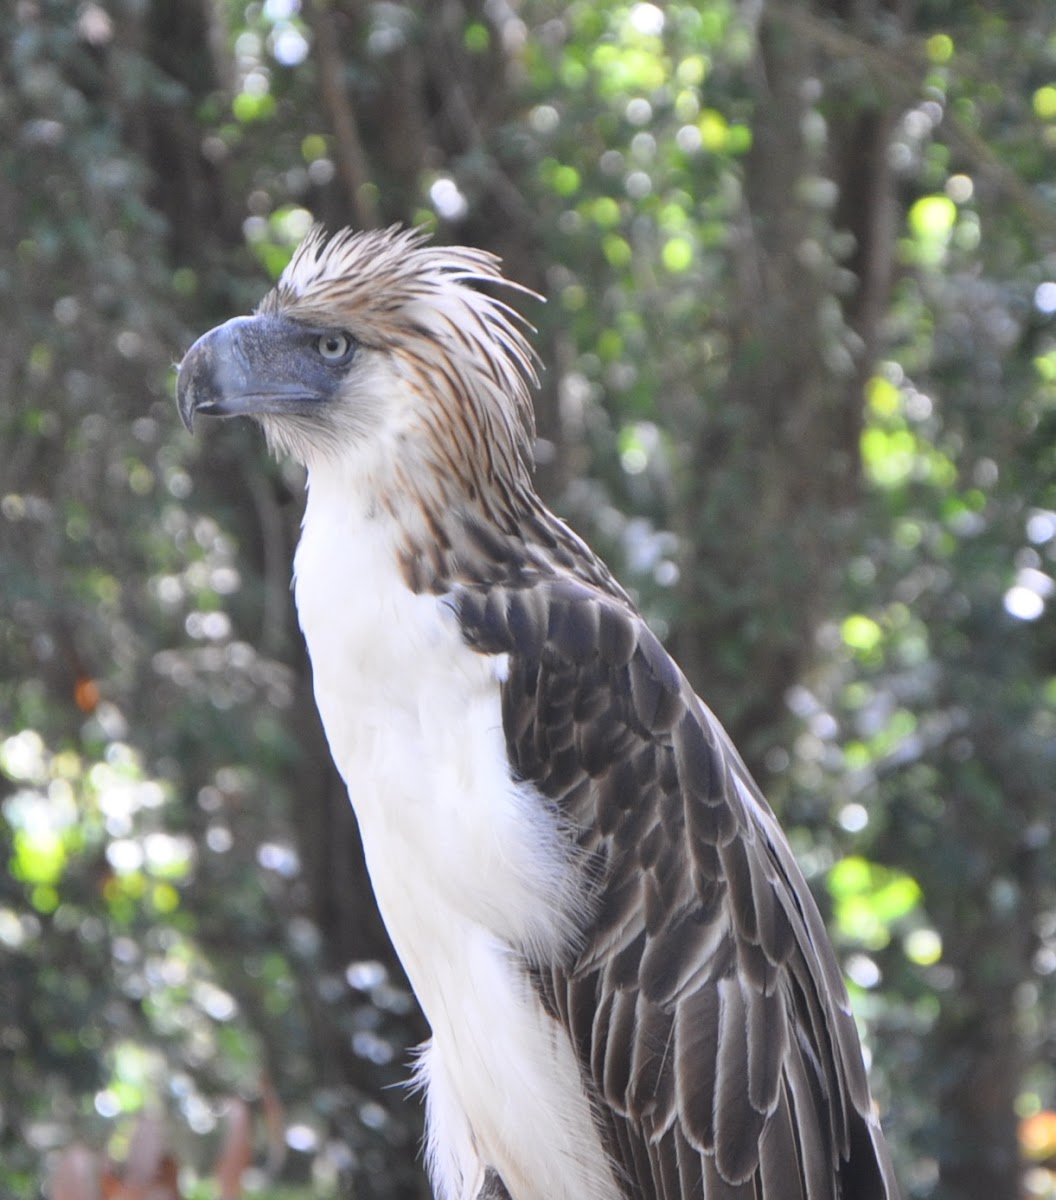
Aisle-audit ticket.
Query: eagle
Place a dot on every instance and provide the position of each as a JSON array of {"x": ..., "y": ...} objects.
[{"x": 630, "y": 990}]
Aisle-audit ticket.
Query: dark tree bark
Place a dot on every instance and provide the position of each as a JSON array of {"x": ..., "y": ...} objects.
[{"x": 762, "y": 565}]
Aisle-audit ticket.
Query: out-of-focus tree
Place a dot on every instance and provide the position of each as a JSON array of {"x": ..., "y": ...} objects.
[{"x": 801, "y": 282}]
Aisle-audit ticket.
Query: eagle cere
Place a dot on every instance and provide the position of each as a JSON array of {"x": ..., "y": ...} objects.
[{"x": 630, "y": 990}]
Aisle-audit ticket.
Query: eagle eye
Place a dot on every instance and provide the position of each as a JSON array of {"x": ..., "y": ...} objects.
[{"x": 335, "y": 347}]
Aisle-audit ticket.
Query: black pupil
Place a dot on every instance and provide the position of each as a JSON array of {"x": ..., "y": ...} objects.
[{"x": 334, "y": 344}]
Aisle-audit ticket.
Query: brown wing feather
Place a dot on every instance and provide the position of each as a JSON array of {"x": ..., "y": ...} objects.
[{"x": 705, "y": 1003}]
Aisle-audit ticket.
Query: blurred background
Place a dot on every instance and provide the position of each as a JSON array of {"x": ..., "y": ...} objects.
[{"x": 799, "y": 262}]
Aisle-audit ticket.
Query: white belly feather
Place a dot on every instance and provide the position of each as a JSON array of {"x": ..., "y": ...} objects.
[{"x": 470, "y": 870}]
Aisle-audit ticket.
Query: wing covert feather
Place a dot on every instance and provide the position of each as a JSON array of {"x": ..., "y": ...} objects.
[{"x": 704, "y": 1001}]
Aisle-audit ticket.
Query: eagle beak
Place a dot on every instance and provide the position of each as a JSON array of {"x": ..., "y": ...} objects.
[{"x": 242, "y": 368}]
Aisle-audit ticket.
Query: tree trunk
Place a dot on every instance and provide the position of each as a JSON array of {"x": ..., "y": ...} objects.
[{"x": 762, "y": 566}]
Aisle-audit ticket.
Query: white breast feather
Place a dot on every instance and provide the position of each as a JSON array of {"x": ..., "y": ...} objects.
[{"x": 471, "y": 871}]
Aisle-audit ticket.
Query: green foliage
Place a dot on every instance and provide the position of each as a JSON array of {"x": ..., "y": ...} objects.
[
  {"x": 870, "y": 900},
  {"x": 180, "y": 918}
]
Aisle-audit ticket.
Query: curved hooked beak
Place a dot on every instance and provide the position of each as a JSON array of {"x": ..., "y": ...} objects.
[{"x": 251, "y": 366}]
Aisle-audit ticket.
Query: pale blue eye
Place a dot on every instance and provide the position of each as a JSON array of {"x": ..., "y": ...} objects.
[{"x": 334, "y": 346}]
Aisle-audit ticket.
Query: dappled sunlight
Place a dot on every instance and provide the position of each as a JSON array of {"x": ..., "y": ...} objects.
[{"x": 800, "y": 340}]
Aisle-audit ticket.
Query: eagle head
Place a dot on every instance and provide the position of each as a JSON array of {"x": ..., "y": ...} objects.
[{"x": 377, "y": 347}]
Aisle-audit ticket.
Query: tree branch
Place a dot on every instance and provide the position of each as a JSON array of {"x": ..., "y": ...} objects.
[
  {"x": 351, "y": 159},
  {"x": 897, "y": 73}
]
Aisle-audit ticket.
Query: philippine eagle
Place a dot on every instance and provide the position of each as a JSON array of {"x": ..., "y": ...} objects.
[{"x": 630, "y": 990}]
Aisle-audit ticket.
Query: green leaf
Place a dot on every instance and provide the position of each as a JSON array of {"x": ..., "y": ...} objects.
[
  {"x": 939, "y": 48},
  {"x": 883, "y": 398},
  {"x": 39, "y": 856},
  {"x": 869, "y": 899},
  {"x": 1044, "y": 102},
  {"x": 714, "y": 130},
  {"x": 476, "y": 38},
  {"x": 931, "y": 220},
  {"x": 861, "y": 633},
  {"x": 923, "y": 947},
  {"x": 617, "y": 250},
  {"x": 677, "y": 254},
  {"x": 605, "y": 211},
  {"x": 248, "y": 107}
]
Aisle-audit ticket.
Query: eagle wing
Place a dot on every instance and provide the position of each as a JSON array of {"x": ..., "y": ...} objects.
[{"x": 704, "y": 1001}]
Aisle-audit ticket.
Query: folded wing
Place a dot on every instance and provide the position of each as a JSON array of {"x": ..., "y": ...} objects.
[{"x": 704, "y": 1000}]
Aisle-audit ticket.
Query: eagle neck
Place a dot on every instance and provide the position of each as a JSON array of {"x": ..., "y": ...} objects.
[
  {"x": 443, "y": 537},
  {"x": 513, "y": 543}
]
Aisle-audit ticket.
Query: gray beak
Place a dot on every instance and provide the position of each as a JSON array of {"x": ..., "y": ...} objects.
[{"x": 251, "y": 366}]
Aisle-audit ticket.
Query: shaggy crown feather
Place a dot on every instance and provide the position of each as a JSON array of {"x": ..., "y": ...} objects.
[{"x": 395, "y": 292}]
